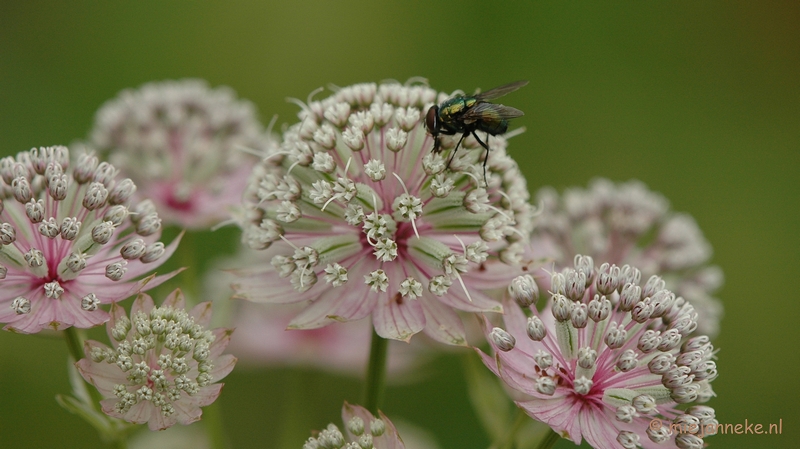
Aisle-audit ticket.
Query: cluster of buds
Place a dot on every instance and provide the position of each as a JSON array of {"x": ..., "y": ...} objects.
[
  {"x": 362, "y": 431},
  {"x": 71, "y": 239},
  {"x": 163, "y": 364},
  {"x": 605, "y": 356},
  {"x": 629, "y": 224}
]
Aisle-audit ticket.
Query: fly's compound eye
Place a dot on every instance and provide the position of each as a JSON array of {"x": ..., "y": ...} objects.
[{"x": 432, "y": 120}]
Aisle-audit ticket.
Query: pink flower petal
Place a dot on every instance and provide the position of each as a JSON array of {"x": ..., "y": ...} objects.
[
  {"x": 389, "y": 440},
  {"x": 397, "y": 318},
  {"x": 223, "y": 365},
  {"x": 480, "y": 302},
  {"x": 492, "y": 275},
  {"x": 251, "y": 284},
  {"x": 70, "y": 310},
  {"x": 349, "y": 411},
  {"x": 42, "y": 314},
  {"x": 103, "y": 376},
  {"x": 441, "y": 322},
  {"x": 143, "y": 303},
  {"x": 558, "y": 413},
  {"x": 206, "y": 395},
  {"x": 187, "y": 412},
  {"x": 335, "y": 305},
  {"x": 489, "y": 361},
  {"x": 108, "y": 291},
  {"x": 222, "y": 337},
  {"x": 598, "y": 430},
  {"x": 202, "y": 313},
  {"x": 175, "y": 299},
  {"x": 513, "y": 373}
]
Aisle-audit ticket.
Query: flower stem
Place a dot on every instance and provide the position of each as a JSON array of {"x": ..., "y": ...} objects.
[
  {"x": 74, "y": 338},
  {"x": 74, "y": 343},
  {"x": 376, "y": 373},
  {"x": 550, "y": 440},
  {"x": 511, "y": 438},
  {"x": 112, "y": 431}
]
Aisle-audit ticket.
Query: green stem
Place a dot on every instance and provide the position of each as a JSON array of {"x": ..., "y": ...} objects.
[
  {"x": 74, "y": 338},
  {"x": 116, "y": 433},
  {"x": 511, "y": 437},
  {"x": 212, "y": 418},
  {"x": 74, "y": 343},
  {"x": 550, "y": 440},
  {"x": 376, "y": 373}
]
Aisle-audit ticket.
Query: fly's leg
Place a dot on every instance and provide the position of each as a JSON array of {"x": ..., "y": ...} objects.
[
  {"x": 486, "y": 147},
  {"x": 436, "y": 145},
  {"x": 452, "y": 156}
]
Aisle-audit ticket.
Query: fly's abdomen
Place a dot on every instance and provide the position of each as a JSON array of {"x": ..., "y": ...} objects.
[{"x": 493, "y": 127}]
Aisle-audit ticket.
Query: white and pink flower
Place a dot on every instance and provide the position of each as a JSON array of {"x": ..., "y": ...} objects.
[
  {"x": 606, "y": 357},
  {"x": 183, "y": 143},
  {"x": 70, "y": 240},
  {"x": 359, "y": 218},
  {"x": 626, "y": 223},
  {"x": 163, "y": 364}
]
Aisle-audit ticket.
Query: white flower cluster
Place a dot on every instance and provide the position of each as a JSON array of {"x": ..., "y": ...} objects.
[{"x": 354, "y": 195}]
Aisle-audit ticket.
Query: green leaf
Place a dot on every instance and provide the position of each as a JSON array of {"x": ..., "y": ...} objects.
[
  {"x": 96, "y": 419},
  {"x": 490, "y": 402},
  {"x": 110, "y": 429}
]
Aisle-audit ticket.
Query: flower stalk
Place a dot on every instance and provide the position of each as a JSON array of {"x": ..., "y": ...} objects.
[
  {"x": 376, "y": 373},
  {"x": 112, "y": 432},
  {"x": 549, "y": 441},
  {"x": 75, "y": 338}
]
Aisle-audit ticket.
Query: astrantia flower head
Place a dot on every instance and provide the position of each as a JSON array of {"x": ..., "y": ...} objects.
[
  {"x": 362, "y": 430},
  {"x": 606, "y": 356},
  {"x": 182, "y": 142},
  {"x": 163, "y": 364},
  {"x": 70, "y": 240},
  {"x": 358, "y": 216},
  {"x": 629, "y": 224}
]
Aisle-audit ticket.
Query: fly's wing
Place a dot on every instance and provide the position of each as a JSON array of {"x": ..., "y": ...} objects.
[
  {"x": 490, "y": 112},
  {"x": 498, "y": 92}
]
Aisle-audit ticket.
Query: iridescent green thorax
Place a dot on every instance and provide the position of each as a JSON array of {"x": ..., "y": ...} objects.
[{"x": 454, "y": 107}]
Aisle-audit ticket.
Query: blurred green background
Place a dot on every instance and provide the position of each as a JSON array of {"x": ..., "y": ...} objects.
[{"x": 700, "y": 100}]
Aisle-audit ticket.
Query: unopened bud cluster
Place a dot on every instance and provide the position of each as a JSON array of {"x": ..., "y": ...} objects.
[
  {"x": 362, "y": 431},
  {"x": 610, "y": 339},
  {"x": 163, "y": 360},
  {"x": 70, "y": 239},
  {"x": 629, "y": 224}
]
